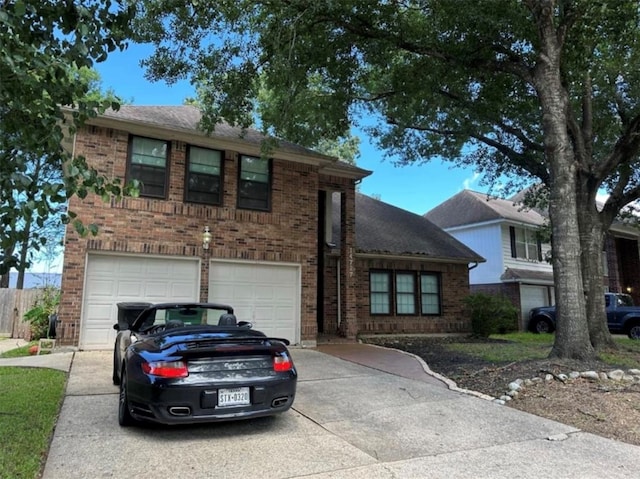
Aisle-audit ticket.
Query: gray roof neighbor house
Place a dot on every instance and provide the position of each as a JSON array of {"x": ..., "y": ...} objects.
[{"x": 469, "y": 207}]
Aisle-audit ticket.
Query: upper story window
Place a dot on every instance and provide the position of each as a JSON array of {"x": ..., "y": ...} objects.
[
  {"x": 204, "y": 176},
  {"x": 254, "y": 183},
  {"x": 148, "y": 165},
  {"x": 525, "y": 244}
]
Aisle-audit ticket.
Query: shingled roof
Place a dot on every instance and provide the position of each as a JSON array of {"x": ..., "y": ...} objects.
[
  {"x": 185, "y": 120},
  {"x": 469, "y": 207},
  {"x": 387, "y": 230}
]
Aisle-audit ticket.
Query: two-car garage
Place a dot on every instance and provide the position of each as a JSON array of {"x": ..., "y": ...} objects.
[{"x": 267, "y": 294}]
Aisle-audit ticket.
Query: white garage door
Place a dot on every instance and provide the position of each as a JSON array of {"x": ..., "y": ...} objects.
[
  {"x": 532, "y": 296},
  {"x": 113, "y": 279},
  {"x": 268, "y": 295}
]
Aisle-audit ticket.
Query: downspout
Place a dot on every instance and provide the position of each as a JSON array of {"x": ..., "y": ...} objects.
[
  {"x": 475, "y": 265},
  {"x": 339, "y": 302}
]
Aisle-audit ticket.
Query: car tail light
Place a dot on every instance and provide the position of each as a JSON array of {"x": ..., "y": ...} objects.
[
  {"x": 282, "y": 364},
  {"x": 166, "y": 369}
]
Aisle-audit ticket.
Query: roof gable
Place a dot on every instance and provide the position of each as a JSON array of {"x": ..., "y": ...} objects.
[{"x": 470, "y": 207}]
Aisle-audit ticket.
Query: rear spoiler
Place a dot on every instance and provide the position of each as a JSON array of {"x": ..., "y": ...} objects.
[{"x": 234, "y": 339}]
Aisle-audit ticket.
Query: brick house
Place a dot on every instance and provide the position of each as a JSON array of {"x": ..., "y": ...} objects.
[{"x": 215, "y": 221}]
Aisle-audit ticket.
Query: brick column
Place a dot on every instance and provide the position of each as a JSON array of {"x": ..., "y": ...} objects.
[{"x": 348, "y": 307}]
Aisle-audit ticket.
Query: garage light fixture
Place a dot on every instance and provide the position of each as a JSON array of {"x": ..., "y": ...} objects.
[{"x": 206, "y": 238}]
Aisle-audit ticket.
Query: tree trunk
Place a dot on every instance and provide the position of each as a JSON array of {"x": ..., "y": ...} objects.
[
  {"x": 572, "y": 334},
  {"x": 4, "y": 280},
  {"x": 592, "y": 234}
]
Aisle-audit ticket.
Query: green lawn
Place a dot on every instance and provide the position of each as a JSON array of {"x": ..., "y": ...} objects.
[
  {"x": 17, "y": 352},
  {"x": 528, "y": 346},
  {"x": 30, "y": 400}
]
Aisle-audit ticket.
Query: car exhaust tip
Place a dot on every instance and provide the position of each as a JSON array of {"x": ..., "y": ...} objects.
[
  {"x": 278, "y": 402},
  {"x": 180, "y": 411}
]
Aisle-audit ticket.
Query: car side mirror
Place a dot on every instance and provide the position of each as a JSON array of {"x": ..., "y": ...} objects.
[{"x": 245, "y": 324}]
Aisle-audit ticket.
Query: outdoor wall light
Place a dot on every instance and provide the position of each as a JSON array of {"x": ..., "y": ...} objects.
[
  {"x": 629, "y": 289},
  {"x": 206, "y": 238}
]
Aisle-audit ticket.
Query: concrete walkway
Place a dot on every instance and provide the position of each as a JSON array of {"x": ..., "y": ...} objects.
[{"x": 388, "y": 419}]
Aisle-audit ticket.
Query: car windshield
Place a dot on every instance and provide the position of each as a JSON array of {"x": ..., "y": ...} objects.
[{"x": 186, "y": 315}]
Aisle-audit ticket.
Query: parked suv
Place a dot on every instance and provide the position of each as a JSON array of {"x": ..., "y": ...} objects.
[{"x": 623, "y": 317}]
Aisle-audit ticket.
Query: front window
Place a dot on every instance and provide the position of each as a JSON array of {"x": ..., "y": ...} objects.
[
  {"x": 204, "y": 176},
  {"x": 148, "y": 165},
  {"x": 380, "y": 292},
  {"x": 430, "y": 293},
  {"x": 405, "y": 294},
  {"x": 254, "y": 184}
]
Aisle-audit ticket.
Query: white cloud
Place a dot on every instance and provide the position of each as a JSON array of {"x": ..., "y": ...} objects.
[{"x": 466, "y": 184}]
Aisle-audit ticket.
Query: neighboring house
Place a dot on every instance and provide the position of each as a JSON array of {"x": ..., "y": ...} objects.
[
  {"x": 215, "y": 221},
  {"x": 622, "y": 260},
  {"x": 506, "y": 235}
]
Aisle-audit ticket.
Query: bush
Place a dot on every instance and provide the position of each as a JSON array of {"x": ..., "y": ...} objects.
[
  {"x": 43, "y": 308},
  {"x": 491, "y": 314}
]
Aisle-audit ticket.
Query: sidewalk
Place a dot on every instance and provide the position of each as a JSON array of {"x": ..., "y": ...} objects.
[{"x": 57, "y": 360}]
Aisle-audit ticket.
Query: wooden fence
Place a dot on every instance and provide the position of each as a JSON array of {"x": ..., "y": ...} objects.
[{"x": 13, "y": 304}]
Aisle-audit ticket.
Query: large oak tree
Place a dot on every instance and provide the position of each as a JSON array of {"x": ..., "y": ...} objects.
[
  {"x": 45, "y": 46},
  {"x": 538, "y": 90}
]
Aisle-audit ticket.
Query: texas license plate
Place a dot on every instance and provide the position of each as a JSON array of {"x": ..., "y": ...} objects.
[{"x": 233, "y": 397}]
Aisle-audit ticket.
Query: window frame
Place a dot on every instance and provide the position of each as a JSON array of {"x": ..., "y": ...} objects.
[
  {"x": 417, "y": 294},
  {"x": 188, "y": 173},
  {"x": 267, "y": 200},
  {"x": 397, "y": 292},
  {"x": 388, "y": 293},
  {"x": 531, "y": 242},
  {"x": 438, "y": 292},
  {"x": 130, "y": 167}
]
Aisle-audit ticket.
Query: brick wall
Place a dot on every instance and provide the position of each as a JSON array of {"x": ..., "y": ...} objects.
[{"x": 288, "y": 233}]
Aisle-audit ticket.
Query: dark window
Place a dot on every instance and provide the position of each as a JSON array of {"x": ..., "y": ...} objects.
[
  {"x": 148, "y": 165},
  {"x": 204, "y": 176},
  {"x": 254, "y": 183},
  {"x": 430, "y": 293},
  {"x": 405, "y": 293},
  {"x": 380, "y": 292}
]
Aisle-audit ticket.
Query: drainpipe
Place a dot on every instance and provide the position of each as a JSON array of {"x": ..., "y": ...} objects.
[
  {"x": 475, "y": 265},
  {"x": 339, "y": 302}
]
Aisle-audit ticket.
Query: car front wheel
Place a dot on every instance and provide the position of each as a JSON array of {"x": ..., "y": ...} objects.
[
  {"x": 124, "y": 415},
  {"x": 541, "y": 325},
  {"x": 634, "y": 331}
]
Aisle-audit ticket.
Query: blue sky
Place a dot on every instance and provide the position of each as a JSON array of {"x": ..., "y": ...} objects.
[{"x": 416, "y": 188}]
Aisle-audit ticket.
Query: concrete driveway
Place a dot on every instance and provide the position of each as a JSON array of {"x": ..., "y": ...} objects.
[{"x": 348, "y": 421}]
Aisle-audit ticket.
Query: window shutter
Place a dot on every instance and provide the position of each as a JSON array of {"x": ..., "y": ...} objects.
[
  {"x": 539, "y": 249},
  {"x": 512, "y": 236}
]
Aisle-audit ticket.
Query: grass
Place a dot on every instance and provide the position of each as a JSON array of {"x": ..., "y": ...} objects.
[
  {"x": 516, "y": 347},
  {"x": 30, "y": 400},
  {"x": 18, "y": 352}
]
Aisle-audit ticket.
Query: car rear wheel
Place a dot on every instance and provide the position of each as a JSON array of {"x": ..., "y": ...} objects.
[
  {"x": 634, "y": 331},
  {"x": 124, "y": 415},
  {"x": 541, "y": 325}
]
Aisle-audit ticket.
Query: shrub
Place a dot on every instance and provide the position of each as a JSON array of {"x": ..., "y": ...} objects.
[
  {"x": 43, "y": 308},
  {"x": 491, "y": 314}
]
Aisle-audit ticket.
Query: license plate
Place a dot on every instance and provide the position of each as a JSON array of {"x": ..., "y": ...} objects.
[{"x": 233, "y": 397}]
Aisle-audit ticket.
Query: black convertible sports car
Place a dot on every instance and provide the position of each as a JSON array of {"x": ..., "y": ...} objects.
[{"x": 193, "y": 362}]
